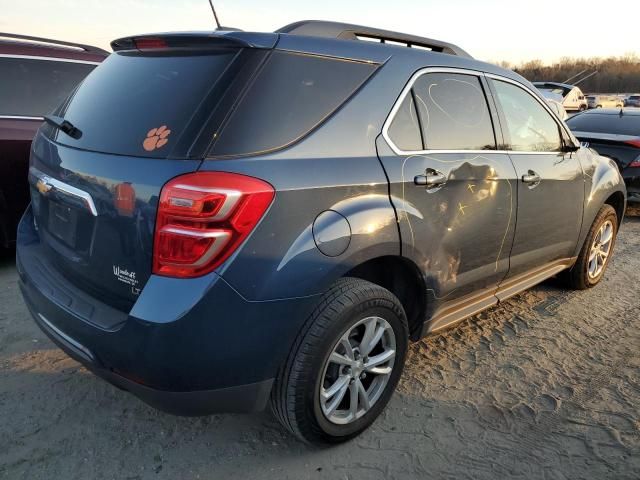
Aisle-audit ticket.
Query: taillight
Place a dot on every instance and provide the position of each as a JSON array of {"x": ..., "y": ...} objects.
[
  {"x": 634, "y": 143},
  {"x": 635, "y": 163},
  {"x": 202, "y": 219}
]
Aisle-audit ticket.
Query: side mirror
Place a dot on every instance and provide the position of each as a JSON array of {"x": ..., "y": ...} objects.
[{"x": 569, "y": 147}]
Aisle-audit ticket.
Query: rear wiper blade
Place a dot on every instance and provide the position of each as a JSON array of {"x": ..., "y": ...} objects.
[{"x": 64, "y": 125}]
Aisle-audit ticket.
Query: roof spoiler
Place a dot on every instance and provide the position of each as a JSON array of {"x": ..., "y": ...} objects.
[
  {"x": 49, "y": 41},
  {"x": 346, "y": 31},
  {"x": 195, "y": 40}
]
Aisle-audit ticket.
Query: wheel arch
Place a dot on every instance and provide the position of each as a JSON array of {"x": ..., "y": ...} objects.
[
  {"x": 618, "y": 202},
  {"x": 401, "y": 277},
  {"x": 604, "y": 186}
]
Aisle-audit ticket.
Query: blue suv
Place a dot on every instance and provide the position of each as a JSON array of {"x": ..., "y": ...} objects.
[{"x": 224, "y": 220}]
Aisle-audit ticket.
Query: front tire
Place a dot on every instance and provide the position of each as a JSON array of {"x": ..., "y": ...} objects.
[
  {"x": 596, "y": 251},
  {"x": 344, "y": 365}
]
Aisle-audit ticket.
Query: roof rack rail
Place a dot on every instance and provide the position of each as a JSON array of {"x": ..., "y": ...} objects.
[
  {"x": 86, "y": 48},
  {"x": 346, "y": 31}
]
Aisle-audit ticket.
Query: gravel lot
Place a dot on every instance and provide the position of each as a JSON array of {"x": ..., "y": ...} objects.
[{"x": 545, "y": 386}]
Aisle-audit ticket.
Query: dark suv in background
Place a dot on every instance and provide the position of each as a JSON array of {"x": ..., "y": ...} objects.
[
  {"x": 614, "y": 133},
  {"x": 36, "y": 75},
  {"x": 225, "y": 220}
]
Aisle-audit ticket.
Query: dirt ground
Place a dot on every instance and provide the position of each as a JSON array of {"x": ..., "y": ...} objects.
[{"x": 545, "y": 386}]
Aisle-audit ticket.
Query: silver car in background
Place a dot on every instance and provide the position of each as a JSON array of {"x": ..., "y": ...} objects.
[
  {"x": 632, "y": 101},
  {"x": 604, "y": 101}
]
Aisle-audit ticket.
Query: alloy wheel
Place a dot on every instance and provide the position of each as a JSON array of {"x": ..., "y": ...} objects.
[
  {"x": 357, "y": 371},
  {"x": 600, "y": 249}
]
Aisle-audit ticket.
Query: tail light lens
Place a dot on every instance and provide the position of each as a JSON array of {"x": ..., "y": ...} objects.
[
  {"x": 202, "y": 219},
  {"x": 633, "y": 143}
]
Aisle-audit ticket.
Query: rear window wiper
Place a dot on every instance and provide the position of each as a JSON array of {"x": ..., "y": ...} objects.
[{"x": 64, "y": 125}]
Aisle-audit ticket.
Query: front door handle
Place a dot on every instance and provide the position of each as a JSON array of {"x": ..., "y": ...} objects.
[
  {"x": 531, "y": 177},
  {"x": 431, "y": 179}
]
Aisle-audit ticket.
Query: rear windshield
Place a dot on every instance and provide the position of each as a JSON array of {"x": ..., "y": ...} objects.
[
  {"x": 604, "y": 123},
  {"x": 33, "y": 88},
  {"x": 292, "y": 94},
  {"x": 144, "y": 104}
]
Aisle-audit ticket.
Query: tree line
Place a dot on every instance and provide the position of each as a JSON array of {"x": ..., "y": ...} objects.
[{"x": 614, "y": 74}]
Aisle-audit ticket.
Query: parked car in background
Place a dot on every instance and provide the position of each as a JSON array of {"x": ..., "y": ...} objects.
[
  {"x": 614, "y": 134},
  {"x": 36, "y": 75},
  {"x": 572, "y": 98},
  {"x": 604, "y": 101},
  {"x": 632, "y": 101},
  {"x": 304, "y": 205}
]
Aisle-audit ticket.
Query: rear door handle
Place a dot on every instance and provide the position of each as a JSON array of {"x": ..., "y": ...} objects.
[
  {"x": 531, "y": 177},
  {"x": 431, "y": 179}
]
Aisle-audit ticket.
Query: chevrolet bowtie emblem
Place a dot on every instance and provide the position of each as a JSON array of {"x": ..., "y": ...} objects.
[{"x": 43, "y": 187}]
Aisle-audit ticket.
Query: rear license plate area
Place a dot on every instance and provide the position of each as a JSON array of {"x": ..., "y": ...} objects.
[{"x": 63, "y": 223}]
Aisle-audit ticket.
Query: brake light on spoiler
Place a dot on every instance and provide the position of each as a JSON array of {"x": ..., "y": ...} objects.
[
  {"x": 149, "y": 43},
  {"x": 202, "y": 219},
  {"x": 634, "y": 143}
]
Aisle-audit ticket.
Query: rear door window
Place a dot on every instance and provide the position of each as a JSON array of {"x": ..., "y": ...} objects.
[
  {"x": 147, "y": 104},
  {"x": 454, "y": 114},
  {"x": 291, "y": 95},
  {"x": 530, "y": 126},
  {"x": 404, "y": 130},
  {"x": 34, "y": 88}
]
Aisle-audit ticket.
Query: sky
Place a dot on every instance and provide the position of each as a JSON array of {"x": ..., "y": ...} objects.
[{"x": 494, "y": 30}]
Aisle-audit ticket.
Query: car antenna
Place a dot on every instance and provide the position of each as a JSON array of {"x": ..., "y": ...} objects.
[{"x": 215, "y": 16}]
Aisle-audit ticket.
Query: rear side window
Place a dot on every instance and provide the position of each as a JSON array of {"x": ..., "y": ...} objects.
[
  {"x": 292, "y": 94},
  {"x": 605, "y": 123},
  {"x": 34, "y": 88},
  {"x": 404, "y": 130},
  {"x": 453, "y": 111},
  {"x": 146, "y": 104},
  {"x": 531, "y": 127}
]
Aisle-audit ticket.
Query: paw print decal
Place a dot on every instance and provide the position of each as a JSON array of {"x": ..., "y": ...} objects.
[{"x": 156, "y": 138}]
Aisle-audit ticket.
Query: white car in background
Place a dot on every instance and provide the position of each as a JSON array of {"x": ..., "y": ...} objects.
[{"x": 572, "y": 98}]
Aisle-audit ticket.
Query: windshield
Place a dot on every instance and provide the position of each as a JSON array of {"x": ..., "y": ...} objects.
[{"x": 142, "y": 104}]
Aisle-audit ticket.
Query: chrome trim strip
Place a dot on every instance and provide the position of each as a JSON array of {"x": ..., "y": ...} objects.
[
  {"x": 44, "y": 183},
  {"x": 66, "y": 337},
  {"x": 231, "y": 199},
  {"x": 49, "y": 59},
  {"x": 20, "y": 117},
  {"x": 213, "y": 249},
  {"x": 544, "y": 104},
  {"x": 461, "y": 71}
]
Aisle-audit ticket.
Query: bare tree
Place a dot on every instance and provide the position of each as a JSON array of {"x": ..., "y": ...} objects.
[{"x": 615, "y": 74}]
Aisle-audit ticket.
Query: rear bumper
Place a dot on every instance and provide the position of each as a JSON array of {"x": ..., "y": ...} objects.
[
  {"x": 187, "y": 348},
  {"x": 239, "y": 399}
]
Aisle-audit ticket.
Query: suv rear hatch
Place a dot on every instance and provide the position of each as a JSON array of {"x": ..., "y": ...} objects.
[{"x": 145, "y": 115}]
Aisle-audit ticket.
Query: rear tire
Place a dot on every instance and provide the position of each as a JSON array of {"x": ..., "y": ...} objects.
[
  {"x": 300, "y": 397},
  {"x": 588, "y": 270}
]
